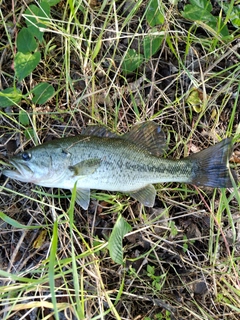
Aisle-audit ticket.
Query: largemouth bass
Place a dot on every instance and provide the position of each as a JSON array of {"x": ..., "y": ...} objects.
[{"x": 130, "y": 163}]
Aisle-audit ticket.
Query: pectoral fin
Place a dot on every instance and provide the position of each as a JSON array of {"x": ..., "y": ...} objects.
[
  {"x": 85, "y": 167},
  {"x": 83, "y": 197},
  {"x": 145, "y": 195}
]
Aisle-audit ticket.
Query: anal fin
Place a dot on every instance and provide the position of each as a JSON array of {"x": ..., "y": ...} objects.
[
  {"x": 145, "y": 195},
  {"x": 83, "y": 197}
]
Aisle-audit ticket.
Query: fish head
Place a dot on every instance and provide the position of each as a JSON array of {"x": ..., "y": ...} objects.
[{"x": 42, "y": 165}]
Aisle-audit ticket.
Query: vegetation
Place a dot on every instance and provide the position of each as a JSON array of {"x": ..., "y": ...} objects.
[{"x": 67, "y": 64}]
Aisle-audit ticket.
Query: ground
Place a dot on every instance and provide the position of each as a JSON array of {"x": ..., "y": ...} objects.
[{"x": 115, "y": 64}]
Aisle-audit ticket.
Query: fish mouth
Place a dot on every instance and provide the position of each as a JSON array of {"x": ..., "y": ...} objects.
[{"x": 20, "y": 172}]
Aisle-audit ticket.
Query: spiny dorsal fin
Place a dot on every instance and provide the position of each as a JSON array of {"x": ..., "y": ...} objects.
[
  {"x": 99, "y": 131},
  {"x": 147, "y": 135}
]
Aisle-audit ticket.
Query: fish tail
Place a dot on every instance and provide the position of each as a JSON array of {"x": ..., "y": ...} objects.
[{"x": 212, "y": 166}]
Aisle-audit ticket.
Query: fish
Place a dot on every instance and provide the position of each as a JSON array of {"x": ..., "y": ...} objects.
[{"x": 129, "y": 163}]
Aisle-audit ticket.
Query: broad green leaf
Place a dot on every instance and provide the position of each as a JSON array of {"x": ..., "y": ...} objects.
[
  {"x": 10, "y": 97},
  {"x": 115, "y": 240},
  {"x": 232, "y": 13},
  {"x": 131, "y": 61},
  {"x": 174, "y": 230},
  {"x": 195, "y": 100},
  {"x": 52, "y": 2},
  {"x": 15, "y": 223},
  {"x": 151, "y": 44},
  {"x": 25, "y": 41},
  {"x": 23, "y": 118},
  {"x": 219, "y": 27},
  {"x": 150, "y": 269},
  {"x": 204, "y": 4},
  {"x": 25, "y": 63},
  {"x": 155, "y": 13},
  {"x": 40, "y": 240},
  {"x": 42, "y": 92},
  {"x": 195, "y": 13},
  {"x": 200, "y": 10},
  {"x": 29, "y": 134},
  {"x": 33, "y": 15}
]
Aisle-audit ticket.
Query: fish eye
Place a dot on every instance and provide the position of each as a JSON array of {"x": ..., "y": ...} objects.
[{"x": 26, "y": 156}]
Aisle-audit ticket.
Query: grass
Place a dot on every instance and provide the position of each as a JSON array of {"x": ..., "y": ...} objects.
[{"x": 181, "y": 258}]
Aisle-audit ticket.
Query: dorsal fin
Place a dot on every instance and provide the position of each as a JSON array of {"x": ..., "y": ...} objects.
[
  {"x": 149, "y": 136},
  {"x": 99, "y": 131}
]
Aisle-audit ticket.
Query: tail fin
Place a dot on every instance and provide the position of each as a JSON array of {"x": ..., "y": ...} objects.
[{"x": 212, "y": 167}]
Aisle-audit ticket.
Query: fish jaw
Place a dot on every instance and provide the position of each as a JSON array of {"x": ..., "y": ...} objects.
[
  {"x": 22, "y": 172},
  {"x": 45, "y": 177}
]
